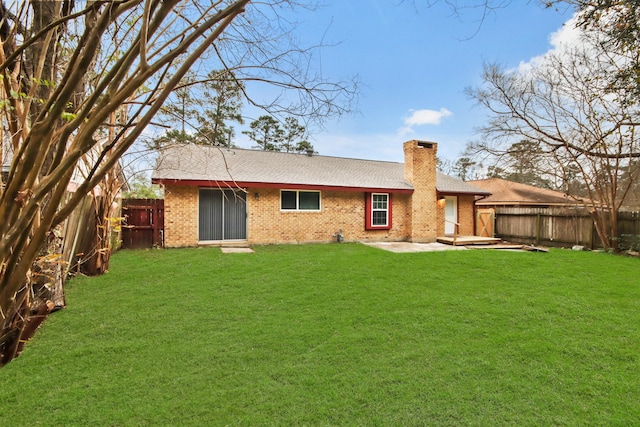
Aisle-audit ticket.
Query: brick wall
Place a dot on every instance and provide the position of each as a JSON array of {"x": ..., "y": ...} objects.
[
  {"x": 340, "y": 210},
  {"x": 466, "y": 213},
  {"x": 440, "y": 215},
  {"x": 180, "y": 216},
  {"x": 268, "y": 224}
]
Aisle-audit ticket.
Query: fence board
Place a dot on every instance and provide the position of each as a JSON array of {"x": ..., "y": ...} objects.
[{"x": 561, "y": 226}]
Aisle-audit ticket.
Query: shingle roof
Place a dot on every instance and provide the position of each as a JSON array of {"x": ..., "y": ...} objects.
[
  {"x": 448, "y": 184},
  {"x": 200, "y": 163},
  {"x": 504, "y": 192}
]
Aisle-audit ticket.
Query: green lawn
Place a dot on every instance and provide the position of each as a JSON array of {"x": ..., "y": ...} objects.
[{"x": 337, "y": 335}]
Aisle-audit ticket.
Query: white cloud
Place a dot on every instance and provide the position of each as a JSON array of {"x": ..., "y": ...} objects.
[
  {"x": 562, "y": 40},
  {"x": 567, "y": 35},
  {"x": 426, "y": 117},
  {"x": 404, "y": 131}
]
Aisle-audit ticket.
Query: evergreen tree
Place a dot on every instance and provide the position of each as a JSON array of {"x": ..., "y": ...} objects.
[
  {"x": 202, "y": 110},
  {"x": 292, "y": 135},
  {"x": 270, "y": 135},
  {"x": 266, "y": 132},
  {"x": 182, "y": 106},
  {"x": 524, "y": 164},
  {"x": 304, "y": 146},
  {"x": 464, "y": 168},
  {"x": 221, "y": 103}
]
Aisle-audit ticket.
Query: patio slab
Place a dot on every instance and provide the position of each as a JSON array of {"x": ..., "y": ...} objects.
[{"x": 236, "y": 250}]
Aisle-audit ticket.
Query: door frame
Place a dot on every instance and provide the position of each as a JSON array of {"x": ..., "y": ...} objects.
[{"x": 449, "y": 226}]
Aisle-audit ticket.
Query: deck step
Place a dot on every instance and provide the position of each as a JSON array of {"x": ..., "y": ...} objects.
[{"x": 468, "y": 240}]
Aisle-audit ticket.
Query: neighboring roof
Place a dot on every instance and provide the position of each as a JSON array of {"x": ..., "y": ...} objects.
[
  {"x": 505, "y": 192},
  {"x": 199, "y": 165}
]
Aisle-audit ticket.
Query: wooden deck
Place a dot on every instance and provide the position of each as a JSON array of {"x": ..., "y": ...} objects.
[{"x": 468, "y": 240}]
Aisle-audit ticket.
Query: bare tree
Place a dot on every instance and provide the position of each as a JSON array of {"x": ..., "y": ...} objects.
[
  {"x": 522, "y": 162},
  {"x": 565, "y": 106},
  {"x": 67, "y": 68},
  {"x": 618, "y": 22}
]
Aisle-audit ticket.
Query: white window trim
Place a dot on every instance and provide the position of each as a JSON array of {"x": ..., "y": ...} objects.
[
  {"x": 386, "y": 211},
  {"x": 297, "y": 209}
]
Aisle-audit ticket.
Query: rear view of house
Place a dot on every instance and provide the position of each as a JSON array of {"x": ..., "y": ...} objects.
[{"x": 216, "y": 195}]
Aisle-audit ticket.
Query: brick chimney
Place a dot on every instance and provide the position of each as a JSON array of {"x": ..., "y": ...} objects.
[{"x": 420, "y": 171}]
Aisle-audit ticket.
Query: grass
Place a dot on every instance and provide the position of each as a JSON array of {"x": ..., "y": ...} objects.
[{"x": 337, "y": 335}]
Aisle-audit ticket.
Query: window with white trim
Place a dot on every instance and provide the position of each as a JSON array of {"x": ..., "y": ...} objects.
[
  {"x": 379, "y": 209},
  {"x": 294, "y": 200}
]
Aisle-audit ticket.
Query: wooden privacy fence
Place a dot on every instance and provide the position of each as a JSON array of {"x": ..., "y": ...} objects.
[
  {"x": 89, "y": 235},
  {"x": 143, "y": 223},
  {"x": 561, "y": 227}
]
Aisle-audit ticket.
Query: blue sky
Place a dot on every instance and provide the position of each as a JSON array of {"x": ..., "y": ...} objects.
[{"x": 414, "y": 63}]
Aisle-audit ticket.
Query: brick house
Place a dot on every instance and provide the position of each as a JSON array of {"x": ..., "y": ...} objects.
[{"x": 215, "y": 195}]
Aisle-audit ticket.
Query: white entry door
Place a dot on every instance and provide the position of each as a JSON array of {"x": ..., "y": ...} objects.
[{"x": 450, "y": 214}]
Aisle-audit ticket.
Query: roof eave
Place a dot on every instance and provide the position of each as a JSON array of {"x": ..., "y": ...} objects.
[
  {"x": 277, "y": 185},
  {"x": 464, "y": 193}
]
